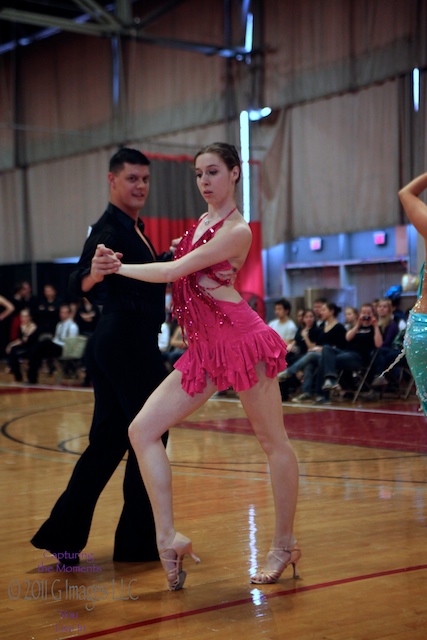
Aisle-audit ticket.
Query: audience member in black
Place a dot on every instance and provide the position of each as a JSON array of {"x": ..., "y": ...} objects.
[
  {"x": 362, "y": 340},
  {"x": 305, "y": 337},
  {"x": 47, "y": 314},
  {"x": 22, "y": 346},
  {"x": 331, "y": 333},
  {"x": 86, "y": 317},
  {"x": 318, "y": 305}
]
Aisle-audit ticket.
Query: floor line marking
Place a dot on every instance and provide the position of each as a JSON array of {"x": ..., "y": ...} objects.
[{"x": 249, "y": 600}]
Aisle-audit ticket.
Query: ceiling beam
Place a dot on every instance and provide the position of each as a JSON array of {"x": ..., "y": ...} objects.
[
  {"x": 115, "y": 29},
  {"x": 98, "y": 12},
  {"x": 64, "y": 24}
]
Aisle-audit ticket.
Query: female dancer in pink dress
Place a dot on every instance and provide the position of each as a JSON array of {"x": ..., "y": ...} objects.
[{"x": 228, "y": 345}]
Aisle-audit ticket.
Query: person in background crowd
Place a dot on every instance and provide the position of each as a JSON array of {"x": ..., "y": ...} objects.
[
  {"x": 23, "y": 298},
  {"x": 361, "y": 341},
  {"x": 22, "y": 346},
  {"x": 283, "y": 325},
  {"x": 52, "y": 348},
  {"x": 86, "y": 317},
  {"x": 351, "y": 315},
  {"x": 47, "y": 313},
  {"x": 318, "y": 307},
  {"x": 299, "y": 317},
  {"x": 332, "y": 333},
  {"x": 306, "y": 339}
]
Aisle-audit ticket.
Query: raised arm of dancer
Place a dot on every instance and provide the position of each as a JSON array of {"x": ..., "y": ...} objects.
[
  {"x": 415, "y": 208},
  {"x": 230, "y": 244}
]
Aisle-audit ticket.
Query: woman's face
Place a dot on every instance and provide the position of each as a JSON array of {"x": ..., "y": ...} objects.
[
  {"x": 325, "y": 312},
  {"x": 214, "y": 179},
  {"x": 24, "y": 317},
  {"x": 350, "y": 316},
  {"x": 383, "y": 308},
  {"x": 308, "y": 319}
]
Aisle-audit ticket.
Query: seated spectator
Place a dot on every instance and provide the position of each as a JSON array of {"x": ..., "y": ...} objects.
[
  {"x": 52, "y": 348},
  {"x": 87, "y": 317},
  {"x": 392, "y": 342},
  {"x": 21, "y": 347},
  {"x": 384, "y": 359},
  {"x": 351, "y": 315},
  {"x": 283, "y": 325},
  {"x": 22, "y": 298},
  {"x": 299, "y": 317},
  {"x": 318, "y": 305},
  {"x": 305, "y": 337},
  {"x": 386, "y": 323},
  {"x": 331, "y": 332},
  {"x": 47, "y": 313},
  {"x": 361, "y": 341}
]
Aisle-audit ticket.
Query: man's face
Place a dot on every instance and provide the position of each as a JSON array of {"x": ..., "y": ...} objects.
[
  {"x": 64, "y": 313},
  {"x": 317, "y": 308},
  {"x": 279, "y": 312},
  {"x": 129, "y": 188}
]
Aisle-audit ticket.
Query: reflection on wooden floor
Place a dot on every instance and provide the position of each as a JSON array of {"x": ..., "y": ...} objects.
[{"x": 361, "y": 524}]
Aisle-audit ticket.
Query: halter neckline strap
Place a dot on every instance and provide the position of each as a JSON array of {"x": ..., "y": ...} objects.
[{"x": 221, "y": 219}]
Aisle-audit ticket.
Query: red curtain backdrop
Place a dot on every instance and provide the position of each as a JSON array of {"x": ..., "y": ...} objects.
[{"x": 162, "y": 231}]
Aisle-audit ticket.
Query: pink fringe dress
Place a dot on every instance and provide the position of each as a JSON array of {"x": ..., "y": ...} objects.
[{"x": 225, "y": 339}]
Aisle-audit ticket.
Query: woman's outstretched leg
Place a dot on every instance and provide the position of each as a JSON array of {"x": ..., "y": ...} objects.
[
  {"x": 167, "y": 405},
  {"x": 262, "y": 405}
]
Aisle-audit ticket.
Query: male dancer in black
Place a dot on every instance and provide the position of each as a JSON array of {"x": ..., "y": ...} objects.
[{"x": 125, "y": 364}]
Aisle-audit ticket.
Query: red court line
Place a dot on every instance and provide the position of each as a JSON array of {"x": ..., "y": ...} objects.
[
  {"x": 238, "y": 603},
  {"x": 7, "y": 391},
  {"x": 373, "y": 430}
]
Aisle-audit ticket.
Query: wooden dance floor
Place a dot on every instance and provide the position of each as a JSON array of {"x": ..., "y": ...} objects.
[{"x": 361, "y": 524}]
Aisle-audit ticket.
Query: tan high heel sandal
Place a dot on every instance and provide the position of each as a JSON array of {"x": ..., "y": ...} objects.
[
  {"x": 276, "y": 564},
  {"x": 176, "y": 575}
]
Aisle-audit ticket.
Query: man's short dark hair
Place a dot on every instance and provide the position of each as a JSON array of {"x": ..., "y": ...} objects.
[
  {"x": 131, "y": 156},
  {"x": 285, "y": 304}
]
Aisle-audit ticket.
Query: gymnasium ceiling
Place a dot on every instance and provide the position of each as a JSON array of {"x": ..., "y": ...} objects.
[{"x": 23, "y": 21}]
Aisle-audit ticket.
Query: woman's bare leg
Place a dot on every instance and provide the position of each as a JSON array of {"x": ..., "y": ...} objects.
[
  {"x": 263, "y": 406},
  {"x": 166, "y": 406}
]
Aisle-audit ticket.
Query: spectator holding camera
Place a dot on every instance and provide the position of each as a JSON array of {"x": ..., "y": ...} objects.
[{"x": 362, "y": 340}]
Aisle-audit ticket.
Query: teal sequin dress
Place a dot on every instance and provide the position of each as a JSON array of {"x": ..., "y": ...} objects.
[{"x": 415, "y": 344}]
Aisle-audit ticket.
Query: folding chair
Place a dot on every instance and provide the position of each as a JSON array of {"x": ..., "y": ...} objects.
[
  {"x": 362, "y": 376},
  {"x": 71, "y": 359},
  {"x": 405, "y": 387}
]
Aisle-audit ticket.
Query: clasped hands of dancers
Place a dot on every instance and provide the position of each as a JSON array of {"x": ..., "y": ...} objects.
[{"x": 229, "y": 345}]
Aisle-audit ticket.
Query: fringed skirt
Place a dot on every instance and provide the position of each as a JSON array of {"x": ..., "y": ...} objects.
[{"x": 228, "y": 351}]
